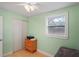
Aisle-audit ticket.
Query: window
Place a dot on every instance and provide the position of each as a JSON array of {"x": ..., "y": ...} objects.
[{"x": 57, "y": 25}]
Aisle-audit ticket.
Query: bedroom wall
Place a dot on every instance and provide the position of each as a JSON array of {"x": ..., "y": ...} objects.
[
  {"x": 51, "y": 44},
  {"x": 7, "y": 30}
]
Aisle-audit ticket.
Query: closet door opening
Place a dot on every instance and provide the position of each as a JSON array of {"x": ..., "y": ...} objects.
[{"x": 19, "y": 34}]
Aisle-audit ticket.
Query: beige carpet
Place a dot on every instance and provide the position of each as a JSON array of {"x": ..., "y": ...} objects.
[{"x": 25, "y": 53}]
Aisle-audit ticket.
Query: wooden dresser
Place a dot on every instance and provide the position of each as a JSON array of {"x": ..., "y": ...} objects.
[{"x": 31, "y": 45}]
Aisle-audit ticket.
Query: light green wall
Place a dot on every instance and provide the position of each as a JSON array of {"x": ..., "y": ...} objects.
[
  {"x": 7, "y": 30},
  {"x": 36, "y": 27},
  {"x": 50, "y": 44}
]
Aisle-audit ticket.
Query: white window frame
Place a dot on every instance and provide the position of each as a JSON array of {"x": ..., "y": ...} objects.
[{"x": 65, "y": 35}]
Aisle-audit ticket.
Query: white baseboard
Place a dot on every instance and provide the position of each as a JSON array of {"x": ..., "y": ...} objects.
[
  {"x": 8, "y": 53},
  {"x": 45, "y": 53}
]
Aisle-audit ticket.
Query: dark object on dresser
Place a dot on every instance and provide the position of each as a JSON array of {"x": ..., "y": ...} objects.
[
  {"x": 30, "y": 37},
  {"x": 67, "y": 52}
]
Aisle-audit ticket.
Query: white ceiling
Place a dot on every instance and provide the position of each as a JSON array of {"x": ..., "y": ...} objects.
[{"x": 43, "y": 7}]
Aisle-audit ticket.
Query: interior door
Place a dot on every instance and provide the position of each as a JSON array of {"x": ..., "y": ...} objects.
[
  {"x": 18, "y": 34},
  {"x": 1, "y": 36}
]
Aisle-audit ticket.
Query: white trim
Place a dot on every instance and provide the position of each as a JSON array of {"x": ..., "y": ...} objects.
[
  {"x": 8, "y": 53},
  {"x": 1, "y": 36},
  {"x": 65, "y": 35},
  {"x": 45, "y": 53}
]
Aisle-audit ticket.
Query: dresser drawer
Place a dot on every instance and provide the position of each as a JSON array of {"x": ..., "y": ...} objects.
[{"x": 31, "y": 45}]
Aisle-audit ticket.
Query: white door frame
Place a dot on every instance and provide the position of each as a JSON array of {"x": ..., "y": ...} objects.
[
  {"x": 13, "y": 30},
  {"x": 1, "y": 36}
]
